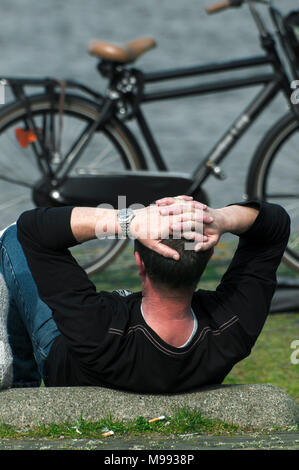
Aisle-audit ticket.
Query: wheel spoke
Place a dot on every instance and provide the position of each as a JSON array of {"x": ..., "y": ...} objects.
[
  {"x": 16, "y": 181},
  {"x": 13, "y": 202},
  {"x": 70, "y": 159}
]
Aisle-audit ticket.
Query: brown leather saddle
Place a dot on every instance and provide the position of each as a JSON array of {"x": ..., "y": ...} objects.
[{"x": 125, "y": 53}]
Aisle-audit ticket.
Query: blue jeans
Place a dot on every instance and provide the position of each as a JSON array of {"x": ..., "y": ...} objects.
[{"x": 30, "y": 325}]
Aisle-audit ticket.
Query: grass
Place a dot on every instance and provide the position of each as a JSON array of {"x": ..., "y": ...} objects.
[
  {"x": 269, "y": 361},
  {"x": 183, "y": 421}
]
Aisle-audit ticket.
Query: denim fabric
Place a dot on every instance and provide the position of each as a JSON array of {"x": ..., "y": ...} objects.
[{"x": 30, "y": 325}]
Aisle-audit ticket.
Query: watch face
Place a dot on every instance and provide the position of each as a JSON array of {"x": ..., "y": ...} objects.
[
  {"x": 121, "y": 215},
  {"x": 125, "y": 214}
]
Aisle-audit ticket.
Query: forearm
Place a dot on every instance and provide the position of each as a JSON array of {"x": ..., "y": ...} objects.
[
  {"x": 88, "y": 223},
  {"x": 237, "y": 219},
  {"x": 254, "y": 221}
]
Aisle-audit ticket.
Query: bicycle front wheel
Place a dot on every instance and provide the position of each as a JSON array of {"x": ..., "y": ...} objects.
[
  {"x": 112, "y": 148},
  {"x": 274, "y": 177}
]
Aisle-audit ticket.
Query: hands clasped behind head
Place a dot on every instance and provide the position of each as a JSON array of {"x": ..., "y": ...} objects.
[{"x": 178, "y": 217}]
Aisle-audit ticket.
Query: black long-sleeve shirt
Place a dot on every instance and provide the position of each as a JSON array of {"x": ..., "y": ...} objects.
[{"x": 104, "y": 338}]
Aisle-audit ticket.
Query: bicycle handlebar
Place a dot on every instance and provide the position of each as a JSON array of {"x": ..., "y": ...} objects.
[
  {"x": 216, "y": 7},
  {"x": 219, "y": 6},
  {"x": 223, "y": 5}
]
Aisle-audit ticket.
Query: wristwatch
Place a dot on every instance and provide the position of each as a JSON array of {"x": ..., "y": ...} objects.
[{"x": 124, "y": 217}]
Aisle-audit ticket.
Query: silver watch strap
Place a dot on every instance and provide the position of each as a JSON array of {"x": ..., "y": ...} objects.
[{"x": 124, "y": 217}]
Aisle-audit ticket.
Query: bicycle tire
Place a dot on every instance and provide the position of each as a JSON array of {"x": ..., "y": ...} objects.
[
  {"x": 270, "y": 167},
  {"x": 80, "y": 109}
]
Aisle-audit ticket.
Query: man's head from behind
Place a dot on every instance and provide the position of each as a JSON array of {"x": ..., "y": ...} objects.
[{"x": 168, "y": 273}]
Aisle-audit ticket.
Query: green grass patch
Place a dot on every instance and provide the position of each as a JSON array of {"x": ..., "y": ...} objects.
[
  {"x": 183, "y": 421},
  {"x": 270, "y": 359}
]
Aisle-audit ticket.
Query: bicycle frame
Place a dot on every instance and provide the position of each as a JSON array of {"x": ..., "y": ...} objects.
[{"x": 272, "y": 84}]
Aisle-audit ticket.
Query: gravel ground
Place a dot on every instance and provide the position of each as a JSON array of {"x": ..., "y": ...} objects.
[{"x": 189, "y": 442}]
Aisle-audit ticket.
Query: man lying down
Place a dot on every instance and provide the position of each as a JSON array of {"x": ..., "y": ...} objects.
[{"x": 169, "y": 337}]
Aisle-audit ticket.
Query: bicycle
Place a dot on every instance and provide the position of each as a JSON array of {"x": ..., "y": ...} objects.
[{"x": 79, "y": 150}]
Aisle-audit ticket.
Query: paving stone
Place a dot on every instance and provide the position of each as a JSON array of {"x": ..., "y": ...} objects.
[{"x": 260, "y": 406}]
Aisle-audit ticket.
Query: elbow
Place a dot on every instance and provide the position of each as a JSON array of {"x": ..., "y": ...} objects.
[
  {"x": 25, "y": 221},
  {"x": 285, "y": 224}
]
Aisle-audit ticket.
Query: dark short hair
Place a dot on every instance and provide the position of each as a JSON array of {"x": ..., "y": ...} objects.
[{"x": 184, "y": 273}]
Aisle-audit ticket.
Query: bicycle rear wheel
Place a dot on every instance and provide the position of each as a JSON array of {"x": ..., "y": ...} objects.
[
  {"x": 274, "y": 177},
  {"x": 112, "y": 148}
]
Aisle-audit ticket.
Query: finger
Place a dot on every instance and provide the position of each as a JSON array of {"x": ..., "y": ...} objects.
[
  {"x": 198, "y": 247},
  {"x": 170, "y": 210},
  {"x": 172, "y": 199},
  {"x": 187, "y": 225},
  {"x": 204, "y": 245},
  {"x": 179, "y": 230},
  {"x": 165, "y": 251},
  {"x": 185, "y": 212},
  {"x": 202, "y": 216},
  {"x": 197, "y": 215},
  {"x": 177, "y": 208},
  {"x": 188, "y": 214},
  {"x": 199, "y": 237},
  {"x": 199, "y": 205},
  {"x": 193, "y": 236},
  {"x": 191, "y": 203},
  {"x": 188, "y": 230},
  {"x": 180, "y": 226},
  {"x": 165, "y": 201},
  {"x": 188, "y": 235},
  {"x": 184, "y": 197}
]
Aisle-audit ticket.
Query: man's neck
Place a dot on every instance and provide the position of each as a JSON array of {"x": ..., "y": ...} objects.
[
  {"x": 167, "y": 308},
  {"x": 169, "y": 315}
]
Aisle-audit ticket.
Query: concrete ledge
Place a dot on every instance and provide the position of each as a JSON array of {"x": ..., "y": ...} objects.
[{"x": 259, "y": 406}]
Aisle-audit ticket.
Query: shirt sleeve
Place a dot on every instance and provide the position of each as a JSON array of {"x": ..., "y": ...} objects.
[
  {"x": 248, "y": 285},
  {"x": 82, "y": 315}
]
